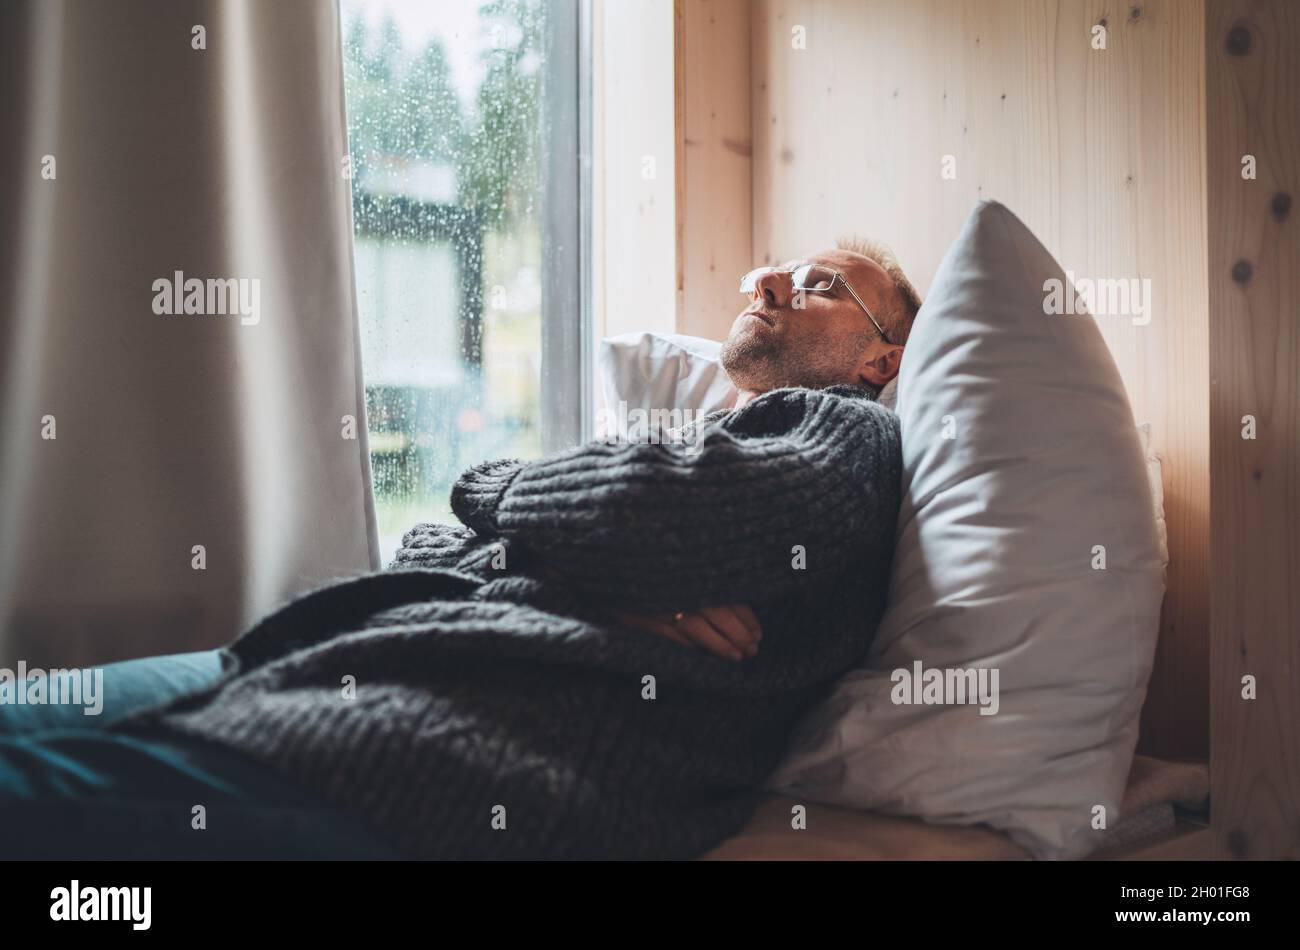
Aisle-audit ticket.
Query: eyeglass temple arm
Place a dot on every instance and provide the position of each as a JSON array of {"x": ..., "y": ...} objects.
[{"x": 870, "y": 316}]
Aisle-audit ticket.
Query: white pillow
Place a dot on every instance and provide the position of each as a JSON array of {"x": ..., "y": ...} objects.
[
  {"x": 888, "y": 395},
  {"x": 997, "y": 541},
  {"x": 1157, "y": 492},
  {"x": 656, "y": 371}
]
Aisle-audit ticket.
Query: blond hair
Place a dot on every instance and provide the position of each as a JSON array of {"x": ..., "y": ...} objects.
[{"x": 897, "y": 320}]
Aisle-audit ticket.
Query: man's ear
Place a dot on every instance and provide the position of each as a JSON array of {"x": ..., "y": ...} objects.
[{"x": 882, "y": 367}]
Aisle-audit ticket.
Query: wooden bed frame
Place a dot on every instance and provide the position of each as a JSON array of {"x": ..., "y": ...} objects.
[{"x": 795, "y": 121}]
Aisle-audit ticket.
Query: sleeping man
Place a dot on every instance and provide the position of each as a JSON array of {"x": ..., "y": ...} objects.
[{"x": 604, "y": 659}]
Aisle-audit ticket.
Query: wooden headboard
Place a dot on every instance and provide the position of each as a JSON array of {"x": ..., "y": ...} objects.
[{"x": 1126, "y": 162}]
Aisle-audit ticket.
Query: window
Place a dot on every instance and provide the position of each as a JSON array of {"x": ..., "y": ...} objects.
[{"x": 467, "y": 138}]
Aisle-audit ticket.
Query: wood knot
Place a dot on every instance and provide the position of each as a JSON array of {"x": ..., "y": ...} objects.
[
  {"x": 1280, "y": 205},
  {"x": 1239, "y": 41},
  {"x": 1242, "y": 271},
  {"x": 1135, "y": 13}
]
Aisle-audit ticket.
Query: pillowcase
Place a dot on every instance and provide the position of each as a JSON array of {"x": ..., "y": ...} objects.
[
  {"x": 888, "y": 395},
  {"x": 654, "y": 372},
  {"x": 1027, "y": 549},
  {"x": 1157, "y": 493}
]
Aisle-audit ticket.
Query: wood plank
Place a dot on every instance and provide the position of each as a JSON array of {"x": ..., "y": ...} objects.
[
  {"x": 714, "y": 229},
  {"x": 1253, "y": 108},
  {"x": 1186, "y": 842}
]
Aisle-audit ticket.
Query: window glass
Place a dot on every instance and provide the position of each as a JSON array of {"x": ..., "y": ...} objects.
[{"x": 445, "y": 125}]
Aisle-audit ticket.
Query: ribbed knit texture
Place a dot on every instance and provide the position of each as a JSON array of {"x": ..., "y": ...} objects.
[{"x": 480, "y": 685}]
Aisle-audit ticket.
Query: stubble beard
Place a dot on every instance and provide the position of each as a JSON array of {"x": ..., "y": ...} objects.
[{"x": 758, "y": 362}]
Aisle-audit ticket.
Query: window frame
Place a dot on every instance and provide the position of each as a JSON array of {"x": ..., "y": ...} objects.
[{"x": 566, "y": 214}]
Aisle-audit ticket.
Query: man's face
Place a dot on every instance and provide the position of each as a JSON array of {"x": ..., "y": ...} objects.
[{"x": 788, "y": 338}]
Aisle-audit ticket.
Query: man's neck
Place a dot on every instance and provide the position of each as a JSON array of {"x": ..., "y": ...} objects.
[{"x": 744, "y": 396}]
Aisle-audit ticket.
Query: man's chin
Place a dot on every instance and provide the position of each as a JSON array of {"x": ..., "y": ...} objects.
[{"x": 748, "y": 366}]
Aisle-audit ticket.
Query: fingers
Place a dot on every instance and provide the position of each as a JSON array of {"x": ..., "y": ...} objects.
[
  {"x": 730, "y": 632},
  {"x": 749, "y": 618},
  {"x": 729, "y": 622},
  {"x": 702, "y": 633}
]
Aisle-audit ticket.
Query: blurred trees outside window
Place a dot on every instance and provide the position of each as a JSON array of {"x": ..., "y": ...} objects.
[{"x": 445, "y": 128}]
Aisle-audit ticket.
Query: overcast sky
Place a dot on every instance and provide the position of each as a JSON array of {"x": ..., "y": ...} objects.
[{"x": 455, "y": 22}]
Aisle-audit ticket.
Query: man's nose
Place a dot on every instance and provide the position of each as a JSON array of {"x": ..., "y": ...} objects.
[{"x": 774, "y": 288}]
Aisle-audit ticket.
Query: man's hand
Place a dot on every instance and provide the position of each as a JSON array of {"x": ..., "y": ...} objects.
[{"x": 730, "y": 632}]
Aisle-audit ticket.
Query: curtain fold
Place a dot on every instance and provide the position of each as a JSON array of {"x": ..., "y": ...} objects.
[{"x": 167, "y": 477}]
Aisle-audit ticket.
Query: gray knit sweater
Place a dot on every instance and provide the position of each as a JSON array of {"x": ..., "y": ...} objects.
[{"x": 492, "y": 686}]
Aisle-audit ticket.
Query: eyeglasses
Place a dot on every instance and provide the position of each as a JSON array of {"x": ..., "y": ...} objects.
[{"x": 812, "y": 279}]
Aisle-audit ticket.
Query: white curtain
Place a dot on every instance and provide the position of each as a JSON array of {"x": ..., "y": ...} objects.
[{"x": 167, "y": 478}]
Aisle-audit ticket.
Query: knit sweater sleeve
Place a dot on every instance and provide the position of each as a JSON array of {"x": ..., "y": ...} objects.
[{"x": 778, "y": 497}]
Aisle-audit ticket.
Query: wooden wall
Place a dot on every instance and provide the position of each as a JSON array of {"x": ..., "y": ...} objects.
[
  {"x": 1253, "y": 108},
  {"x": 714, "y": 186},
  {"x": 1100, "y": 152},
  {"x": 673, "y": 216},
  {"x": 634, "y": 230}
]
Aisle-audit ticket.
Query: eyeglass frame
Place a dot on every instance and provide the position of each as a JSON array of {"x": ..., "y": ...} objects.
[{"x": 768, "y": 269}]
